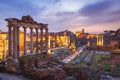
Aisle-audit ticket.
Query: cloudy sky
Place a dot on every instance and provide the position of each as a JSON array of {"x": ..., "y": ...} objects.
[{"x": 92, "y": 15}]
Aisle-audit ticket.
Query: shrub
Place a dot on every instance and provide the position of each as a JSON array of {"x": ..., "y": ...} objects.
[{"x": 2, "y": 68}]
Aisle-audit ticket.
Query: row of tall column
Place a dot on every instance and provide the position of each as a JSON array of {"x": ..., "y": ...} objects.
[
  {"x": 13, "y": 40},
  {"x": 14, "y": 43},
  {"x": 99, "y": 40}
]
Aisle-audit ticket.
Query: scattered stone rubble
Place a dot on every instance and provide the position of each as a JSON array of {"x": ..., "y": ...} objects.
[{"x": 50, "y": 70}]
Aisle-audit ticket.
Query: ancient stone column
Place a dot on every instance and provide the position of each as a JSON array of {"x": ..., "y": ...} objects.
[
  {"x": 102, "y": 41},
  {"x": 46, "y": 40},
  {"x": 31, "y": 40},
  {"x": 56, "y": 38},
  {"x": 18, "y": 42},
  {"x": 9, "y": 41},
  {"x": 97, "y": 40},
  {"x": 36, "y": 40},
  {"x": 41, "y": 39},
  {"x": 49, "y": 45},
  {"x": 14, "y": 42},
  {"x": 24, "y": 41}
]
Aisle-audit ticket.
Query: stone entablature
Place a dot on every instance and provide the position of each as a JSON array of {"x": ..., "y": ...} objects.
[{"x": 26, "y": 21}]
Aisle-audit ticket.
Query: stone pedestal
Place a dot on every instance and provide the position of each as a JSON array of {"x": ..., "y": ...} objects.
[{"x": 12, "y": 65}]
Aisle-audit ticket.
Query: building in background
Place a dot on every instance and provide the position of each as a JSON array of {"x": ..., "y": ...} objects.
[
  {"x": 89, "y": 39},
  {"x": 63, "y": 38},
  {"x": 80, "y": 34},
  {"x": 109, "y": 35},
  {"x": 112, "y": 38},
  {"x": 3, "y": 45}
]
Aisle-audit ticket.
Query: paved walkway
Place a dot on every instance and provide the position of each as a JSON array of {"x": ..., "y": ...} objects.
[
  {"x": 4, "y": 76},
  {"x": 83, "y": 58},
  {"x": 69, "y": 58}
]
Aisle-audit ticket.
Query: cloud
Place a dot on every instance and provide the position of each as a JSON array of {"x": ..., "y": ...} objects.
[
  {"x": 99, "y": 14},
  {"x": 102, "y": 12},
  {"x": 95, "y": 8},
  {"x": 112, "y": 17},
  {"x": 63, "y": 14}
]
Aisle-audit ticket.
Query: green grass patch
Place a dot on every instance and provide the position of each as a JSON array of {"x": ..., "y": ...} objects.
[
  {"x": 92, "y": 73},
  {"x": 97, "y": 57},
  {"x": 2, "y": 68},
  {"x": 72, "y": 65},
  {"x": 106, "y": 66}
]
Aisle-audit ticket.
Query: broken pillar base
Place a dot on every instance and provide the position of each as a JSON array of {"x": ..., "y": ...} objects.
[{"x": 12, "y": 65}]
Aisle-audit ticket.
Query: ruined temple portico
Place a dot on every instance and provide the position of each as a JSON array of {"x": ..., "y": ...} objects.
[
  {"x": 26, "y": 22},
  {"x": 13, "y": 35}
]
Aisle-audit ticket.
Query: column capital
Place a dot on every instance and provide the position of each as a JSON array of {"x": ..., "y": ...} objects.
[{"x": 46, "y": 25}]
